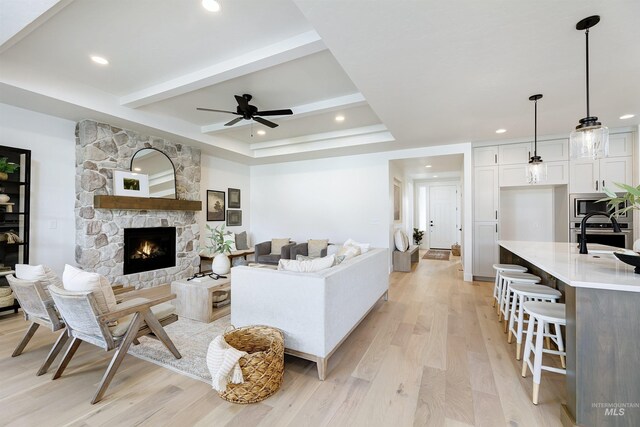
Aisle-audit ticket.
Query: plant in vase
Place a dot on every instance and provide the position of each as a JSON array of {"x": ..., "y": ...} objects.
[
  {"x": 417, "y": 236},
  {"x": 221, "y": 246},
  {"x": 629, "y": 201},
  {"x": 7, "y": 167}
]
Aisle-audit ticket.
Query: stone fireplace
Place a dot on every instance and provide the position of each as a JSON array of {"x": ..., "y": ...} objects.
[{"x": 101, "y": 233}]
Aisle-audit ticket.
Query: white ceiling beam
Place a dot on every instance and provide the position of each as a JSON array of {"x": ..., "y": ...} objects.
[
  {"x": 284, "y": 51},
  {"x": 324, "y": 136},
  {"x": 19, "y": 18},
  {"x": 326, "y": 105}
]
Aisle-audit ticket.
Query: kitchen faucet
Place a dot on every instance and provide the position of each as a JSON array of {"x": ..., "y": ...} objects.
[{"x": 583, "y": 229}]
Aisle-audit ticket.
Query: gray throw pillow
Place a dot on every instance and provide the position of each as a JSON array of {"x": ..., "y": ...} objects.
[{"x": 241, "y": 241}]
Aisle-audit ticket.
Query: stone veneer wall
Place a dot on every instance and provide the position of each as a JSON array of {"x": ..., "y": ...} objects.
[{"x": 101, "y": 148}]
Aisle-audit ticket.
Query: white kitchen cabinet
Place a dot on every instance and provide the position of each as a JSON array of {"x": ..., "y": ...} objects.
[
  {"x": 485, "y": 248},
  {"x": 485, "y": 195},
  {"x": 621, "y": 145},
  {"x": 554, "y": 150},
  {"x": 485, "y": 156},
  {"x": 590, "y": 176},
  {"x": 557, "y": 173},
  {"x": 510, "y": 154},
  {"x": 516, "y": 175}
]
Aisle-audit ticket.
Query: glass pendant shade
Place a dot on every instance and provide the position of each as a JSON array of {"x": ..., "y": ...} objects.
[
  {"x": 536, "y": 171},
  {"x": 589, "y": 143}
]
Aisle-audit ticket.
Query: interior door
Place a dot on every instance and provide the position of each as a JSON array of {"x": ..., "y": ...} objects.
[{"x": 442, "y": 216}]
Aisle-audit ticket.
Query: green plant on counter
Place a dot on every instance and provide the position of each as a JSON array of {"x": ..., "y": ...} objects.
[
  {"x": 630, "y": 200},
  {"x": 219, "y": 243},
  {"x": 417, "y": 236},
  {"x": 8, "y": 167}
]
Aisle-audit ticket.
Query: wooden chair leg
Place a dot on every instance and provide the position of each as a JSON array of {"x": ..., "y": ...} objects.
[
  {"x": 136, "y": 342},
  {"x": 25, "y": 340},
  {"x": 322, "y": 368},
  {"x": 160, "y": 333},
  {"x": 62, "y": 339},
  {"x": 118, "y": 357},
  {"x": 75, "y": 343}
]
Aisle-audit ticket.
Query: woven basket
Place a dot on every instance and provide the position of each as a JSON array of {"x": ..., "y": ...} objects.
[{"x": 262, "y": 368}]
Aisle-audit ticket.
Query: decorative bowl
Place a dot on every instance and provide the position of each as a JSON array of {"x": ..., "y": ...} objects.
[{"x": 627, "y": 258}]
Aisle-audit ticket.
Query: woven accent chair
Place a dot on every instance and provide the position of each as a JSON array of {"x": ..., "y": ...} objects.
[
  {"x": 135, "y": 318},
  {"x": 39, "y": 309}
]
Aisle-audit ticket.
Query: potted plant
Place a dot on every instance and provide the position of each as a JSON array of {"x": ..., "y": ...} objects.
[
  {"x": 7, "y": 167},
  {"x": 221, "y": 246},
  {"x": 630, "y": 200},
  {"x": 417, "y": 236}
]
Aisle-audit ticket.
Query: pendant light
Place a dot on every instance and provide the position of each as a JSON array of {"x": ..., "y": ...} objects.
[
  {"x": 536, "y": 169},
  {"x": 590, "y": 139}
]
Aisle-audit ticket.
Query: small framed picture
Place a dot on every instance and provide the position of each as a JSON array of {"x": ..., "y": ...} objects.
[
  {"x": 234, "y": 218},
  {"x": 130, "y": 184},
  {"x": 234, "y": 198},
  {"x": 215, "y": 205}
]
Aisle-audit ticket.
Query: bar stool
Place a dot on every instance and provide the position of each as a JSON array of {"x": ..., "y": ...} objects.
[
  {"x": 505, "y": 300},
  {"x": 521, "y": 294},
  {"x": 512, "y": 268},
  {"x": 542, "y": 313}
]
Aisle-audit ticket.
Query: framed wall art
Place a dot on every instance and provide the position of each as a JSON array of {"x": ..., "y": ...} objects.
[
  {"x": 234, "y": 198},
  {"x": 130, "y": 184},
  {"x": 234, "y": 217},
  {"x": 215, "y": 205}
]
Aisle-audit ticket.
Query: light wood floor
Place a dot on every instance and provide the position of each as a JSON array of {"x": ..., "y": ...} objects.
[{"x": 434, "y": 354}]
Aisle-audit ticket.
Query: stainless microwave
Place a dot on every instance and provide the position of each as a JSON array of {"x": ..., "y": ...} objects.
[{"x": 582, "y": 204}]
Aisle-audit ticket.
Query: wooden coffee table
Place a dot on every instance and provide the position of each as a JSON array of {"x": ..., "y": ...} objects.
[{"x": 193, "y": 299}]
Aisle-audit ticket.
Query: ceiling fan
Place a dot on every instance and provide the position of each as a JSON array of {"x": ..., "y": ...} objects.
[{"x": 247, "y": 111}]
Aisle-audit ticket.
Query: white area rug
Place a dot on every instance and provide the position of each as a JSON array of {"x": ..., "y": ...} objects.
[{"x": 191, "y": 339}]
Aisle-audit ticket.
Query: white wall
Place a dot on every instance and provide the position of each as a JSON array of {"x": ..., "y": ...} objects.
[
  {"x": 52, "y": 144},
  {"x": 335, "y": 199},
  {"x": 527, "y": 214},
  {"x": 220, "y": 175}
]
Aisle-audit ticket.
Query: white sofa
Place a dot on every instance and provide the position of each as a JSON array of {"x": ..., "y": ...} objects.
[{"x": 316, "y": 311}]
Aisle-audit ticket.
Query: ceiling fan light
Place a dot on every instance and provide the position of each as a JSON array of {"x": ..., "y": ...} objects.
[{"x": 589, "y": 142}]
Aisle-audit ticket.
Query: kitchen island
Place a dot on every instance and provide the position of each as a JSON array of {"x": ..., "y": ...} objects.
[{"x": 602, "y": 297}]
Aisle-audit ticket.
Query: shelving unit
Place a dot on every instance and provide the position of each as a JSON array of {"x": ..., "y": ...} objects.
[{"x": 15, "y": 215}]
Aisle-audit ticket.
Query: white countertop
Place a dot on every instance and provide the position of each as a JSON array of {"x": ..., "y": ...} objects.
[{"x": 597, "y": 269}]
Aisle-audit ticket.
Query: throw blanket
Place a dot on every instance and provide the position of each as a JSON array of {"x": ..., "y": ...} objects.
[{"x": 222, "y": 361}]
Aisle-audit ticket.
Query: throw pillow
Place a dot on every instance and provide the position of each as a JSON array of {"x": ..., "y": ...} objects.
[
  {"x": 277, "y": 244},
  {"x": 306, "y": 266},
  {"x": 241, "y": 241},
  {"x": 349, "y": 252},
  {"x": 231, "y": 237},
  {"x": 74, "y": 279},
  {"x": 401, "y": 243},
  {"x": 333, "y": 249},
  {"x": 316, "y": 247},
  {"x": 40, "y": 273},
  {"x": 364, "y": 247}
]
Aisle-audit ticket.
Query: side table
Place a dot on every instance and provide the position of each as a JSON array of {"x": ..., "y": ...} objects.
[{"x": 194, "y": 299}]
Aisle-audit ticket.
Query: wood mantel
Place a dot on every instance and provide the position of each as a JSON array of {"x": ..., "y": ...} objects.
[{"x": 103, "y": 201}]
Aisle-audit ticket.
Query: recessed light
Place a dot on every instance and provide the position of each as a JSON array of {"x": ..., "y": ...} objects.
[
  {"x": 261, "y": 132},
  {"x": 211, "y": 5},
  {"x": 99, "y": 60},
  {"x": 435, "y": 176},
  {"x": 427, "y": 166},
  {"x": 627, "y": 116},
  {"x": 137, "y": 169},
  {"x": 339, "y": 118},
  {"x": 501, "y": 131}
]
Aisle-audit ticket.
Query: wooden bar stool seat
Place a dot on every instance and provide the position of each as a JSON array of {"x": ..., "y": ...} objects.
[
  {"x": 521, "y": 294},
  {"x": 542, "y": 314}
]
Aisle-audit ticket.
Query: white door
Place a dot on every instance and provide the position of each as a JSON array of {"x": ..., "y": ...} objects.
[{"x": 442, "y": 216}]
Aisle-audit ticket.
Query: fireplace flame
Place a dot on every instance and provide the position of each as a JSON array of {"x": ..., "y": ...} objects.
[{"x": 147, "y": 250}]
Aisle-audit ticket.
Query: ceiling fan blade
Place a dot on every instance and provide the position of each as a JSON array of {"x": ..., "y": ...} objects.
[
  {"x": 265, "y": 122},
  {"x": 234, "y": 121},
  {"x": 242, "y": 102},
  {"x": 217, "y": 111},
  {"x": 286, "y": 112}
]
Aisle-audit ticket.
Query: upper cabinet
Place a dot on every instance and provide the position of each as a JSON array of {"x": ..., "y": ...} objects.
[
  {"x": 485, "y": 156},
  {"x": 621, "y": 145},
  {"x": 512, "y": 154},
  {"x": 554, "y": 150}
]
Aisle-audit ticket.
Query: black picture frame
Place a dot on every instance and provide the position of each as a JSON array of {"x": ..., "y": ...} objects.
[
  {"x": 215, "y": 205},
  {"x": 234, "y": 198},
  {"x": 234, "y": 218}
]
